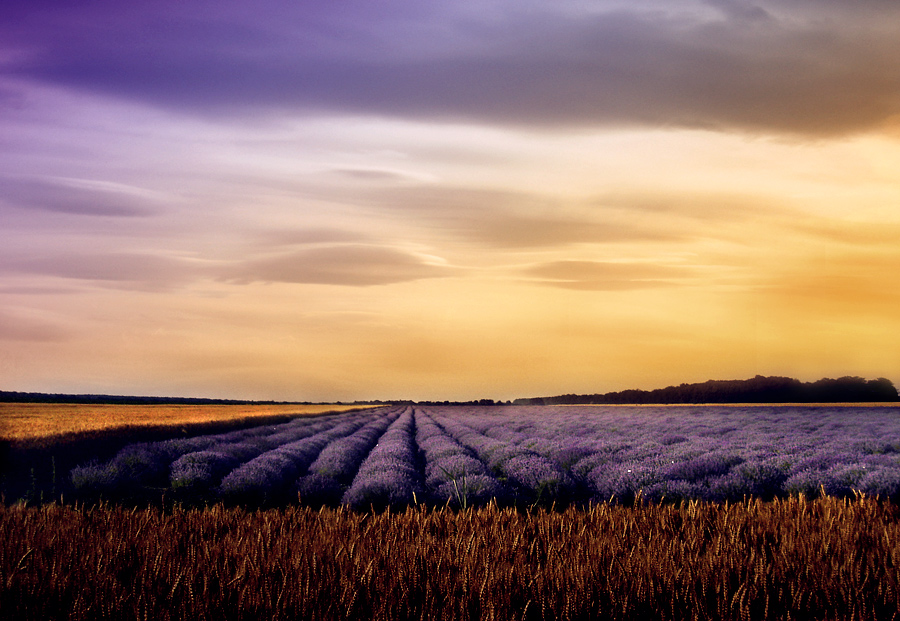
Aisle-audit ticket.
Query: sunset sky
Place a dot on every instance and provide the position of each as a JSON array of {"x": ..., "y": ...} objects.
[{"x": 353, "y": 199}]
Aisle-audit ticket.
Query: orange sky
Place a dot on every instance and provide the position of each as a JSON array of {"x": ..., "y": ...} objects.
[{"x": 448, "y": 203}]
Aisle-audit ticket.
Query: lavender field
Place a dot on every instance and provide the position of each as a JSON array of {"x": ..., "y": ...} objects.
[{"x": 468, "y": 456}]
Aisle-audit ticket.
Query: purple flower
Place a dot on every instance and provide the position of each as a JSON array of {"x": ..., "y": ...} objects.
[
  {"x": 622, "y": 481},
  {"x": 470, "y": 491},
  {"x": 267, "y": 477},
  {"x": 882, "y": 482},
  {"x": 201, "y": 469},
  {"x": 710, "y": 464},
  {"x": 389, "y": 476},
  {"x": 672, "y": 490},
  {"x": 540, "y": 476}
]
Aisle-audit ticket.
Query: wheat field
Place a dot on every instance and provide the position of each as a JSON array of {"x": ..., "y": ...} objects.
[
  {"x": 25, "y": 421},
  {"x": 827, "y": 558}
]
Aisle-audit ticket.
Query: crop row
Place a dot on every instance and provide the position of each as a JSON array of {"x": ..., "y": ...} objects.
[{"x": 466, "y": 456}]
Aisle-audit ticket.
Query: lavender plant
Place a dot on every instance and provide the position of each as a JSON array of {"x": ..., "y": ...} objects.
[
  {"x": 469, "y": 455},
  {"x": 265, "y": 479},
  {"x": 334, "y": 468},
  {"x": 148, "y": 464},
  {"x": 389, "y": 476},
  {"x": 453, "y": 475},
  {"x": 530, "y": 476},
  {"x": 203, "y": 470}
]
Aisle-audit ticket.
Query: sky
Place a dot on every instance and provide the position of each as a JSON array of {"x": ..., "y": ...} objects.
[{"x": 348, "y": 199}]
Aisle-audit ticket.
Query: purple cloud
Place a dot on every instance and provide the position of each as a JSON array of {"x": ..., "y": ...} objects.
[
  {"x": 798, "y": 68},
  {"x": 71, "y": 197},
  {"x": 118, "y": 269}
]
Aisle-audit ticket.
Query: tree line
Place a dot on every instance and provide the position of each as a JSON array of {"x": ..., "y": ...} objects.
[{"x": 759, "y": 389}]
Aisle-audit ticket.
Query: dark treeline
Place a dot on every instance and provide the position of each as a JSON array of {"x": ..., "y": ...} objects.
[
  {"x": 759, "y": 389},
  {"x": 40, "y": 397},
  {"x": 9, "y": 396},
  {"x": 756, "y": 390},
  {"x": 473, "y": 402}
]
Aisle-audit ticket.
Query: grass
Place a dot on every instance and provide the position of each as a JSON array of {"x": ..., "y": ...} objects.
[{"x": 827, "y": 558}]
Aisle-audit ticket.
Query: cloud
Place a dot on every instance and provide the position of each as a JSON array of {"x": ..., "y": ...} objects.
[
  {"x": 17, "y": 328},
  {"x": 838, "y": 286},
  {"x": 509, "y": 219},
  {"x": 691, "y": 205},
  {"x": 605, "y": 276},
  {"x": 797, "y": 68},
  {"x": 35, "y": 290},
  {"x": 11, "y": 98},
  {"x": 76, "y": 197},
  {"x": 743, "y": 218},
  {"x": 308, "y": 236},
  {"x": 862, "y": 234},
  {"x": 349, "y": 265},
  {"x": 740, "y": 10},
  {"x": 118, "y": 269},
  {"x": 370, "y": 174}
]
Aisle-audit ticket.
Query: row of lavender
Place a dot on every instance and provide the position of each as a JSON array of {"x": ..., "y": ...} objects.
[
  {"x": 257, "y": 465},
  {"x": 522, "y": 455}
]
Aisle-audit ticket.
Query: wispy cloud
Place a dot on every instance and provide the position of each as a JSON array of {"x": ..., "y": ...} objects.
[
  {"x": 114, "y": 269},
  {"x": 292, "y": 237},
  {"x": 866, "y": 235},
  {"x": 606, "y": 276},
  {"x": 348, "y": 265},
  {"x": 76, "y": 196},
  {"x": 693, "y": 205},
  {"x": 510, "y": 219},
  {"x": 15, "y": 327},
  {"x": 370, "y": 175},
  {"x": 68, "y": 196}
]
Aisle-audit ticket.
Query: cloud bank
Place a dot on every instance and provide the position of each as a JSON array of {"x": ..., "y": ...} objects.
[
  {"x": 345, "y": 200},
  {"x": 800, "y": 68}
]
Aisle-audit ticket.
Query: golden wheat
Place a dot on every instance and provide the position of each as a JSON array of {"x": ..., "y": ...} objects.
[
  {"x": 790, "y": 559},
  {"x": 20, "y": 421}
]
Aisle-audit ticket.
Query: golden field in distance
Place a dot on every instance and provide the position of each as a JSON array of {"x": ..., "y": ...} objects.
[{"x": 22, "y": 421}]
